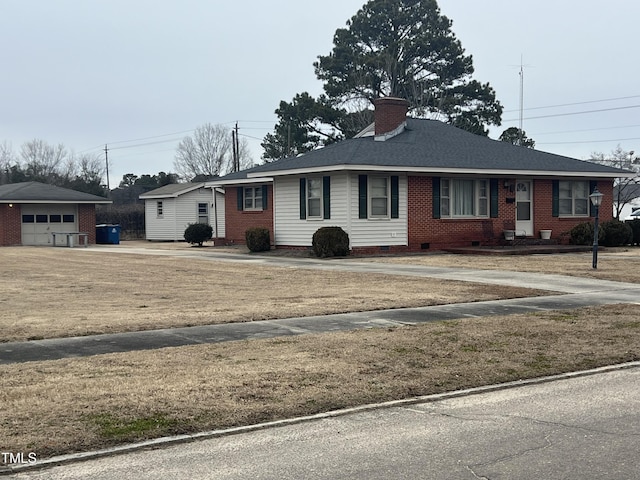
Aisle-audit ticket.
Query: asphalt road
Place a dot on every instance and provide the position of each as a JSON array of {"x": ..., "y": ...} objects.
[{"x": 584, "y": 427}]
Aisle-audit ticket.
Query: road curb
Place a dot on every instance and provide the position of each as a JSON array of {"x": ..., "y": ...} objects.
[{"x": 178, "y": 439}]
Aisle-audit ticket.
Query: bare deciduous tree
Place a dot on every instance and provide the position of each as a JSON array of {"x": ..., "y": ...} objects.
[
  {"x": 625, "y": 189},
  {"x": 208, "y": 153},
  {"x": 41, "y": 162},
  {"x": 6, "y": 160},
  {"x": 41, "y": 159}
]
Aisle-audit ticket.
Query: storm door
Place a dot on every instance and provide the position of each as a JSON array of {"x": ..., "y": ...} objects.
[{"x": 524, "y": 207}]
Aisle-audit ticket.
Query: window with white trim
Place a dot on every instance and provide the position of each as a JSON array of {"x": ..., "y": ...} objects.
[
  {"x": 159, "y": 208},
  {"x": 252, "y": 198},
  {"x": 203, "y": 213},
  {"x": 379, "y": 197},
  {"x": 463, "y": 197},
  {"x": 573, "y": 198},
  {"x": 314, "y": 198}
]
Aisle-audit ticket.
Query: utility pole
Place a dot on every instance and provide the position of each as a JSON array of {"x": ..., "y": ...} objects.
[
  {"x": 237, "y": 149},
  {"x": 235, "y": 152},
  {"x": 106, "y": 160},
  {"x": 521, "y": 100}
]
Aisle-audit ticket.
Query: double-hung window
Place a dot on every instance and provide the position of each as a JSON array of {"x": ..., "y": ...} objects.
[
  {"x": 378, "y": 197},
  {"x": 252, "y": 198},
  {"x": 203, "y": 213},
  {"x": 573, "y": 198},
  {"x": 314, "y": 198},
  {"x": 461, "y": 197}
]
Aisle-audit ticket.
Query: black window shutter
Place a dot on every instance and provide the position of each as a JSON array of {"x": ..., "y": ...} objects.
[
  {"x": 240, "y": 191},
  {"x": 362, "y": 196},
  {"x": 493, "y": 195},
  {"x": 303, "y": 198},
  {"x": 265, "y": 196},
  {"x": 555, "y": 198},
  {"x": 395, "y": 196},
  {"x": 326, "y": 197},
  {"x": 593, "y": 184},
  {"x": 436, "y": 197}
]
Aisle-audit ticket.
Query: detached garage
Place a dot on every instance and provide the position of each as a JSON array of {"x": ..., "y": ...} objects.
[{"x": 31, "y": 212}]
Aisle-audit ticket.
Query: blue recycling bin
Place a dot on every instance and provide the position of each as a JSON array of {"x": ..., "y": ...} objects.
[{"x": 108, "y": 234}]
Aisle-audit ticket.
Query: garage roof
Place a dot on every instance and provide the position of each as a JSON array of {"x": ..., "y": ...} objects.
[{"x": 36, "y": 192}]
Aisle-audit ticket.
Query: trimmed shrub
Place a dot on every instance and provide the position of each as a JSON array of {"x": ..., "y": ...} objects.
[
  {"x": 258, "y": 239},
  {"x": 635, "y": 228},
  {"x": 582, "y": 234},
  {"x": 330, "y": 242},
  {"x": 615, "y": 233},
  {"x": 198, "y": 233}
]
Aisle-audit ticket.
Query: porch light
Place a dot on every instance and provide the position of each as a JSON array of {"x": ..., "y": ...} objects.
[{"x": 596, "y": 200}]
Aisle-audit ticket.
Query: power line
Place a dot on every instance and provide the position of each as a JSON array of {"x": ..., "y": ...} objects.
[
  {"x": 249, "y": 136},
  {"x": 576, "y": 103},
  {"x": 146, "y": 152},
  {"x": 145, "y": 144},
  {"x": 576, "y": 113},
  {"x": 150, "y": 138},
  {"x": 590, "y": 141},
  {"x": 586, "y": 130}
]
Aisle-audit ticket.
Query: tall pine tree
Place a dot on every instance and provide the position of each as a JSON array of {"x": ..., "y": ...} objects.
[{"x": 400, "y": 48}]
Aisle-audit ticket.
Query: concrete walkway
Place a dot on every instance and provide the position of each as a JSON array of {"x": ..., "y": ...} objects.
[{"x": 571, "y": 292}]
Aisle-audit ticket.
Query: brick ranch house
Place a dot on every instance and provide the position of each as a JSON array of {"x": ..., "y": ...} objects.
[
  {"x": 407, "y": 184},
  {"x": 31, "y": 211}
]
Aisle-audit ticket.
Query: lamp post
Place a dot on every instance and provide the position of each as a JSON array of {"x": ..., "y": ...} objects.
[{"x": 596, "y": 200}]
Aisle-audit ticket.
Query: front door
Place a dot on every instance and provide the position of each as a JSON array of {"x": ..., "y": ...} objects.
[{"x": 524, "y": 207}]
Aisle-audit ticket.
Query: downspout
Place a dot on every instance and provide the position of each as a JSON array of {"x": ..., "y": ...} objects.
[
  {"x": 215, "y": 212},
  {"x": 273, "y": 205}
]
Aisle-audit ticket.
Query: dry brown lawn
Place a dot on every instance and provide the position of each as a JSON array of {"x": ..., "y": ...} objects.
[
  {"x": 617, "y": 264},
  {"x": 81, "y": 404},
  {"x": 49, "y": 292}
]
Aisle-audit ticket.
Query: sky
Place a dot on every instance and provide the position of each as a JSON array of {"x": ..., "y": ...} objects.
[{"x": 139, "y": 75}]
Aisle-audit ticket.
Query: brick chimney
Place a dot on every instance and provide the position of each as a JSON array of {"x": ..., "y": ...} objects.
[{"x": 390, "y": 116}]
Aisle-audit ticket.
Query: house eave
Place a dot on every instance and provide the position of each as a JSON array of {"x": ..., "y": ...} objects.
[
  {"x": 156, "y": 197},
  {"x": 190, "y": 188},
  {"x": 241, "y": 181},
  {"x": 440, "y": 171}
]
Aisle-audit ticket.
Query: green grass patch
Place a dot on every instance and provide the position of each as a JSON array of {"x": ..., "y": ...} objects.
[{"x": 112, "y": 427}]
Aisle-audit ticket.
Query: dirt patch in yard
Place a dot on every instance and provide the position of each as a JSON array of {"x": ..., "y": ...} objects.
[
  {"x": 60, "y": 292},
  {"x": 81, "y": 404}
]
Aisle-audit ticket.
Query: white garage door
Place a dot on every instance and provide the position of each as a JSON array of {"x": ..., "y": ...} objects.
[{"x": 38, "y": 221}]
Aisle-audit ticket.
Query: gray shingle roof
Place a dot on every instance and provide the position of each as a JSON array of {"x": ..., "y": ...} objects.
[
  {"x": 42, "y": 192},
  {"x": 433, "y": 145},
  {"x": 172, "y": 190}
]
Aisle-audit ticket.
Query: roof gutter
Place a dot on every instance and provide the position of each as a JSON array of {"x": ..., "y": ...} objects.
[
  {"x": 239, "y": 181},
  {"x": 438, "y": 171}
]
